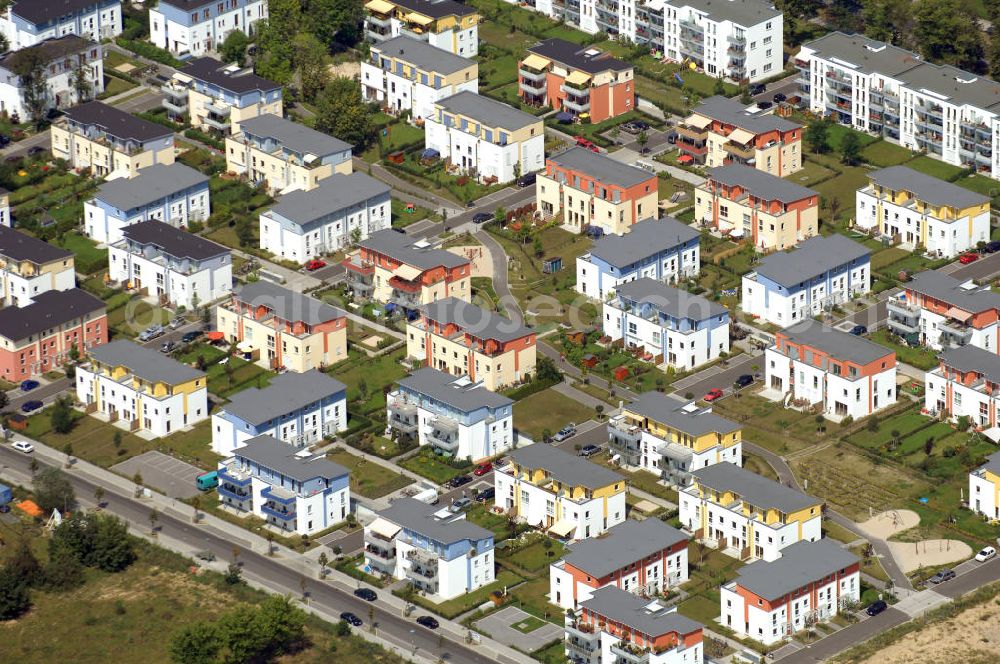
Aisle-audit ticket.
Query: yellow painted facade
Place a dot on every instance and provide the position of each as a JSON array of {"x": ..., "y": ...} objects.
[
  {"x": 455, "y": 357},
  {"x": 945, "y": 213},
  {"x": 581, "y": 208},
  {"x": 275, "y": 167},
  {"x": 100, "y": 156},
  {"x": 460, "y": 288},
  {"x": 698, "y": 443},
  {"x": 297, "y": 353},
  {"x": 781, "y": 230},
  {"x": 197, "y": 102}
]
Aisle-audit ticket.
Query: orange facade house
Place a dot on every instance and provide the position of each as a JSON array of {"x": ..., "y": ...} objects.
[{"x": 581, "y": 80}]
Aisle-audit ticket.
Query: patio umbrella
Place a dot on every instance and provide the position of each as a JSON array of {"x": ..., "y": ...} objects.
[{"x": 215, "y": 336}]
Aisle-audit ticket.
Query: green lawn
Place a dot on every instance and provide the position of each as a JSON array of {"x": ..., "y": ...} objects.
[
  {"x": 533, "y": 597},
  {"x": 402, "y": 216},
  {"x": 367, "y": 377},
  {"x": 535, "y": 557},
  {"x": 904, "y": 423},
  {"x": 549, "y": 411},
  {"x": 87, "y": 257},
  {"x": 594, "y": 131},
  {"x": 115, "y": 86},
  {"x": 241, "y": 375},
  {"x": 369, "y": 479},
  {"x": 919, "y": 356},
  {"x": 135, "y": 316},
  {"x": 480, "y": 514},
  {"x": 393, "y": 137},
  {"x": 883, "y": 154},
  {"x": 459, "y": 605},
  {"x": 427, "y": 464},
  {"x": 887, "y": 256},
  {"x": 528, "y": 625},
  {"x": 700, "y": 608},
  {"x": 935, "y": 168}
]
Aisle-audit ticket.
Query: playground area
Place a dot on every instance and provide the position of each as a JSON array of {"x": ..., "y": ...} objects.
[
  {"x": 481, "y": 259},
  {"x": 911, "y": 556}
]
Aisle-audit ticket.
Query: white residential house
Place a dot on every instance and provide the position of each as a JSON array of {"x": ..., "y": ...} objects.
[
  {"x": 964, "y": 384},
  {"x": 984, "y": 488},
  {"x": 27, "y": 22},
  {"x": 196, "y": 27},
  {"x": 444, "y": 24},
  {"x": 69, "y": 62},
  {"x": 30, "y": 267}
]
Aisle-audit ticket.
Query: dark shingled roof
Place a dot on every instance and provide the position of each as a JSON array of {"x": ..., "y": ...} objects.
[
  {"x": 173, "y": 241},
  {"x": 218, "y": 73},
  {"x": 585, "y": 58},
  {"x": 119, "y": 124},
  {"x": 19, "y": 246},
  {"x": 44, "y": 11},
  {"x": 50, "y": 309},
  {"x": 51, "y": 49}
]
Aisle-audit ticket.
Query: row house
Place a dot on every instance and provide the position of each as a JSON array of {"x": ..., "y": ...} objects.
[
  {"x": 594, "y": 193},
  {"x": 743, "y": 202},
  {"x": 176, "y": 194},
  {"x": 940, "y": 311},
  {"x": 984, "y": 488},
  {"x": 720, "y": 131},
  {"x": 661, "y": 249},
  {"x": 145, "y": 389},
  {"x": 642, "y": 557},
  {"x": 67, "y": 62},
  {"x": 484, "y": 138},
  {"x": 671, "y": 327},
  {"x": 284, "y": 155},
  {"x": 298, "y": 409},
  {"x": 291, "y": 491},
  {"x": 842, "y": 373},
  {"x": 405, "y": 272},
  {"x": 30, "y": 267},
  {"x": 110, "y": 142},
  {"x": 821, "y": 273},
  {"x": 579, "y": 80},
  {"x": 745, "y": 515},
  {"x": 38, "y": 337},
  {"x": 964, "y": 384},
  {"x": 559, "y": 492},
  {"x": 811, "y": 582},
  {"x": 438, "y": 552},
  {"x": 460, "y": 338},
  {"x": 279, "y": 328},
  {"x": 616, "y": 626},
  {"x": 672, "y": 438},
  {"x": 453, "y": 414},
  {"x": 196, "y": 27},
  {"x": 28, "y": 22},
  {"x": 915, "y": 210},
  {"x": 340, "y": 211},
  {"x": 178, "y": 268},
  {"x": 216, "y": 97},
  {"x": 405, "y": 74},
  {"x": 444, "y": 24}
]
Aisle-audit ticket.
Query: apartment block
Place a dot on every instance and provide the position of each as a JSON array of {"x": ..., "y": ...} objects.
[
  {"x": 984, "y": 488},
  {"x": 663, "y": 250},
  {"x": 872, "y": 86},
  {"x": 298, "y": 409},
  {"x": 405, "y": 272},
  {"x": 196, "y": 27},
  {"x": 111, "y": 143},
  {"x": 276, "y": 328},
  {"x": 334, "y": 215},
  {"x": 817, "y": 365},
  {"x": 453, "y": 414},
  {"x": 821, "y": 273},
  {"x": 5, "y": 218},
  {"x": 919, "y": 211},
  {"x": 940, "y": 311},
  {"x": 484, "y": 138},
  {"x": 559, "y": 492},
  {"x": 63, "y": 60},
  {"x": 292, "y": 492},
  {"x": 574, "y": 79},
  {"x": 406, "y": 74},
  {"x": 642, "y": 557},
  {"x": 284, "y": 155},
  {"x": 444, "y": 24},
  {"x": 964, "y": 384},
  {"x": 30, "y": 267},
  {"x": 176, "y": 195},
  {"x": 216, "y": 97},
  {"x": 673, "y": 327},
  {"x": 438, "y": 552},
  {"x": 744, "y": 202},
  {"x": 745, "y": 515},
  {"x": 722, "y": 132},
  {"x": 672, "y": 438},
  {"x": 179, "y": 268},
  {"x": 594, "y": 193},
  {"x": 460, "y": 338},
  {"x": 37, "y": 338},
  {"x": 28, "y": 22},
  {"x": 617, "y": 626},
  {"x": 809, "y": 583}
]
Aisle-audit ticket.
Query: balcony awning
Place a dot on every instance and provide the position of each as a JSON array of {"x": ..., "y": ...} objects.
[
  {"x": 562, "y": 528},
  {"x": 384, "y": 528},
  {"x": 698, "y": 121},
  {"x": 741, "y": 136},
  {"x": 380, "y": 6},
  {"x": 578, "y": 79},
  {"x": 407, "y": 272},
  {"x": 536, "y": 62},
  {"x": 419, "y": 19},
  {"x": 184, "y": 78},
  {"x": 959, "y": 315},
  {"x": 993, "y": 433}
]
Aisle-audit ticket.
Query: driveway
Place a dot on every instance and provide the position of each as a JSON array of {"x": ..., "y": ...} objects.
[
  {"x": 171, "y": 476},
  {"x": 500, "y": 626}
]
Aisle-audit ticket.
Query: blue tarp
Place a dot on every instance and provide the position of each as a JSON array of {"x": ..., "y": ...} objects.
[
  {"x": 564, "y": 117},
  {"x": 390, "y": 307},
  {"x": 430, "y": 153},
  {"x": 6, "y": 495}
]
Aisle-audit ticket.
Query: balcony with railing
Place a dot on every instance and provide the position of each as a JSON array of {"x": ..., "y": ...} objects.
[
  {"x": 739, "y": 150},
  {"x": 531, "y": 87},
  {"x": 626, "y": 653},
  {"x": 384, "y": 554},
  {"x": 582, "y": 641},
  {"x": 442, "y": 432},
  {"x": 278, "y": 505},
  {"x": 954, "y": 334},
  {"x": 175, "y": 98},
  {"x": 692, "y": 148},
  {"x": 579, "y": 104}
]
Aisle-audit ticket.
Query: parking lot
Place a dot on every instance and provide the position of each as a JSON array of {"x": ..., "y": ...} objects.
[
  {"x": 503, "y": 626},
  {"x": 164, "y": 473}
]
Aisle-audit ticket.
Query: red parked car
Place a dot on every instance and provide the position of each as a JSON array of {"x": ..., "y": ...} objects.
[
  {"x": 965, "y": 259},
  {"x": 482, "y": 469},
  {"x": 586, "y": 143},
  {"x": 713, "y": 394},
  {"x": 315, "y": 264}
]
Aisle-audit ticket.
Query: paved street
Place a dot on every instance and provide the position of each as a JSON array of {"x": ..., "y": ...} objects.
[
  {"x": 718, "y": 376},
  {"x": 787, "y": 86},
  {"x": 847, "y": 637}
]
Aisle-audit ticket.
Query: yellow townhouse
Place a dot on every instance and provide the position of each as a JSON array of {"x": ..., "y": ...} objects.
[
  {"x": 30, "y": 267},
  {"x": 444, "y": 24},
  {"x": 984, "y": 488}
]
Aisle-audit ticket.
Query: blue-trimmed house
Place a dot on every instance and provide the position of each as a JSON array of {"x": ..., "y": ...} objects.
[
  {"x": 28, "y": 22},
  {"x": 194, "y": 27}
]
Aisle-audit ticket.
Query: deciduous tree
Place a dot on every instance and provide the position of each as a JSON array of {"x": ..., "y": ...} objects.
[
  {"x": 53, "y": 490},
  {"x": 341, "y": 112}
]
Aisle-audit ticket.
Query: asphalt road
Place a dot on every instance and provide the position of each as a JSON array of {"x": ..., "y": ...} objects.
[
  {"x": 787, "y": 85},
  {"x": 847, "y": 637},
  {"x": 980, "y": 576},
  {"x": 724, "y": 379}
]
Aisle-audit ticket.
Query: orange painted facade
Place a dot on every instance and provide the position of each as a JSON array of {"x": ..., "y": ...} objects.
[
  {"x": 820, "y": 356},
  {"x": 978, "y": 319},
  {"x": 627, "y": 568},
  {"x": 606, "y": 101},
  {"x": 811, "y": 589},
  {"x": 656, "y": 642}
]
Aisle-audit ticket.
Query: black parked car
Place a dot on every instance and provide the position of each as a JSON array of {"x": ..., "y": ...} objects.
[
  {"x": 992, "y": 247},
  {"x": 190, "y": 336},
  {"x": 428, "y": 622},
  {"x": 350, "y": 618},
  {"x": 481, "y": 217},
  {"x": 526, "y": 180},
  {"x": 858, "y": 330},
  {"x": 366, "y": 594},
  {"x": 35, "y": 150},
  {"x": 29, "y": 406},
  {"x": 461, "y": 480},
  {"x": 757, "y": 89},
  {"x": 779, "y": 97},
  {"x": 876, "y": 608},
  {"x": 743, "y": 381},
  {"x": 486, "y": 495}
]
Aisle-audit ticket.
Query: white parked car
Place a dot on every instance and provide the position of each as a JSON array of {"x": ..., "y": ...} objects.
[
  {"x": 986, "y": 554},
  {"x": 25, "y": 447}
]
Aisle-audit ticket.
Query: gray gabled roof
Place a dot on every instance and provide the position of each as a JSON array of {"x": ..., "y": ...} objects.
[
  {"x": 950, "y": 290},
  {"x": 605, "y": 170},
  {"x": 643, "y": 240},
  {"x": 926, "y": 188},
  {"x": 972, "y": 358},
  {"x": 153, "y": 183},
  {"x": 474, "y": 320},
  {"x": 745, "y": 13},
  {"x": 800, "y": 564},
  {"x": 423, "y": 55},
  {"x": 433, "y": 522},
  {"x": 145, "y": 363},
  {"x": 457, "y": 392},
  {"x": 286, "y": 393},
  {"x": 334, "y": 193},
  {"x": 49, "y": 49},
  {"x": 668, "y": 300},
  {"x": 564, "y": 467},
  {"x": 117, "y": 123},
  {"x": 841, "y": 346},
  {"x": 18, "y": 246},
  {"x": 867, "y": 55},
  {"x": 760, "y": 184},
  {"x": 281, "y": 458},
  {"x": 676, "y": 413},
  {"x": 49, "y": 309},
  {"x": 641, "y": 614},
  {"x": 487, "y": 111},
  {"x": 757, "y": 490},
  {"x": 288, "y": 305},
  {"x": 620, "y": 546},
  {"x": 813, "y": 257},
  {"x": 732, "y": 112},
  {"x": 411, "y": 251},
  {"x": 992, "y": 463},
  {"x": 293, "y": 136},
  {"x": 173, "y": 241}
]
